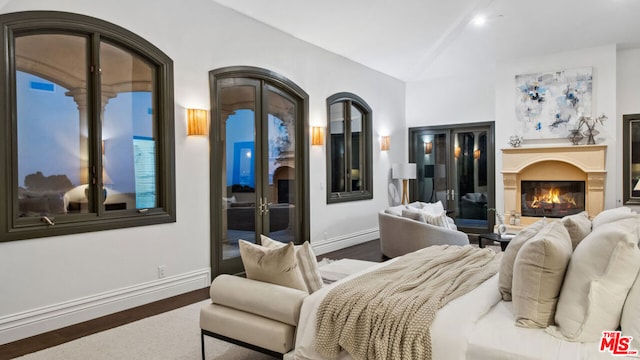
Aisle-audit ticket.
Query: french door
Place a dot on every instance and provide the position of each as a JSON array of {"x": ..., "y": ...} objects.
[
  {"x": 455, "y": 165},
  {"x": 258, "y": 167}
]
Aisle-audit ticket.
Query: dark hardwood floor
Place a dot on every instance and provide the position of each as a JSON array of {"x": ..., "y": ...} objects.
[{"x": 366, "y": 251}]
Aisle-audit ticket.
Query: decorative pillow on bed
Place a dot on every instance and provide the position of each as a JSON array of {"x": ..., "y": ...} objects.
[
  {"x": 602, "y": 270},
  {"x": 307, "y": 262},
  {"x": 630, "y": 321},
  {"x": 538, "y": 272},
  {"x": 505, "y": 276},
  {"x": 276, "y": 266},
  {"x": 578, "y": 225},
  {"x": 611, "y": 215}
]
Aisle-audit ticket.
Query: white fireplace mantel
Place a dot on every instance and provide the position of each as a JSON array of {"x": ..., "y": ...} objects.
[{"x": 574, "y": 162}]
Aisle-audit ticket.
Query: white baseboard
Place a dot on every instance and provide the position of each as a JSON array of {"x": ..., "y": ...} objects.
[
  {"x": 343, "y": 241},
  {"x": 36, "y": 321}
]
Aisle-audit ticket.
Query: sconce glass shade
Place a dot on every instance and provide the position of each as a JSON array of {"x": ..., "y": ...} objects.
[
  {"x": 476, "y": 154},
  {"x": 385, "y": 143},
  {"x": 457, "y": 152},
  {"x": 317, "y": 135},
  {"x": 428, "y": 147},
  {"x": 197, "y": 123}
]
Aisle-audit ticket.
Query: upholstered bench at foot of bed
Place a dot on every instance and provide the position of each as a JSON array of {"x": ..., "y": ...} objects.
[{"x": 253, "y": 314}]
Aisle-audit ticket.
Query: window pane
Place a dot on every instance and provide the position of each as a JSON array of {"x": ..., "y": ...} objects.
[
  {"x": 356, "y": 149},
  {"x": 337, "y": 132},
  {"x": 51, "y": 124},
  {"x": 129, "y": 130}
]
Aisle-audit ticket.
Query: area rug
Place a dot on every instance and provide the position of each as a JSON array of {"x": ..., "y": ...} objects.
[{"x": 171, "y": 335}]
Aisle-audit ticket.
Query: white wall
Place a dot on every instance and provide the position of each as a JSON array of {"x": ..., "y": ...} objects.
[
  {"x": 490, "y": 96},
  {"x": 51, "y": 282},
  {"x": 451, "y": 100},
  {"x": 603, "y": 61}
]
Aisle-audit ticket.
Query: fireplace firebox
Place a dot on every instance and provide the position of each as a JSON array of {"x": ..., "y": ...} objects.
[{"x": 553, "y": 199}]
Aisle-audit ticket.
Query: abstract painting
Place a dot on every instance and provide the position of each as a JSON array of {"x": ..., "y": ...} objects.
[{"x": 549, "y": 104}]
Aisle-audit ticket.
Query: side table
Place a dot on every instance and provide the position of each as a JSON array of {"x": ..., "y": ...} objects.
[{"x": 493, "y": 237}]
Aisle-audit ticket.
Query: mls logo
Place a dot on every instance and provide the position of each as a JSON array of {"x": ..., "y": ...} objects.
[{"x": 616, "y": 344}]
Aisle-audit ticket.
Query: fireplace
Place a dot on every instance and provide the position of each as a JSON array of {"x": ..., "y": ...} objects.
[
  {"x": 553, "y": 199},
  {"x": 547, "y": 181}
]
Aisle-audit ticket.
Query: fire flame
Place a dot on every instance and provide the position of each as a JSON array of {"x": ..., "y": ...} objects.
[{"x": 552, "y": 197}]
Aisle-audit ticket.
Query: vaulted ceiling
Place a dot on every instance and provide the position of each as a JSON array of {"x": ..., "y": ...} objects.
[{"x": 420, "y": 39}]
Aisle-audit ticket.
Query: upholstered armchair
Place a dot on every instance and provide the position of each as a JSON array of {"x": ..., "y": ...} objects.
[{"x": 400, "y": 235}]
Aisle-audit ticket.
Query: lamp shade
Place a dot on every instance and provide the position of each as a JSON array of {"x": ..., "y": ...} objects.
[{"x": 403, "y": 171}]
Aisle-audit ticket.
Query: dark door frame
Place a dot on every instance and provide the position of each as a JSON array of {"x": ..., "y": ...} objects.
[
  {"x": 489, "y": 126},
  {"x": 216, "y": 149}
]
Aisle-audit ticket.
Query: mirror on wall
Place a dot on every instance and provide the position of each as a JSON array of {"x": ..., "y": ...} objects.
[{"x": 631, "y": 159}]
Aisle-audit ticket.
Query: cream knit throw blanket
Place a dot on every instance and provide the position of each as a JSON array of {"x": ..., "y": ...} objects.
[{"x": 387, "y": 314}]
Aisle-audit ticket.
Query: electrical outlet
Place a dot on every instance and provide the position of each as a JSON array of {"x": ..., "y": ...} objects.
[{"x": 161, "y": 273}]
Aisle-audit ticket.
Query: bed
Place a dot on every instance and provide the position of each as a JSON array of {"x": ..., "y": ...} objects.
[
  {"x": 560, "y": 284},
  {"x": 476, "y": 326}
]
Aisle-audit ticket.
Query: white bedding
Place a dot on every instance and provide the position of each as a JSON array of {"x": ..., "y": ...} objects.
[
  {"x": 448, "y": 331},
  {"x": 476, "y": 326}
]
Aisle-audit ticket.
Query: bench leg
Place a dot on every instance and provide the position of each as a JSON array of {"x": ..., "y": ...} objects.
[{"x": 202, "y": 342}]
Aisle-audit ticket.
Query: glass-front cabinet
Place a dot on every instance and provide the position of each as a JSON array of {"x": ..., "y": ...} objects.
[{"x": 455, "y": 165}]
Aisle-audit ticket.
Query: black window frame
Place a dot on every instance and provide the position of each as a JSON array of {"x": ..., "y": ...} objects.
[
  {"x": 366, "y": 174},
  {"x": 96, "y": 30}
]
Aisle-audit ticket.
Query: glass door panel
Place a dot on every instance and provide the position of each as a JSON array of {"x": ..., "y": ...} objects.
[
  {"x": 470, "y": 191},
  {"x": 280, "y": 176},
  {"x": 238, "y": 103},
  {"x": 431, "y": 164}
]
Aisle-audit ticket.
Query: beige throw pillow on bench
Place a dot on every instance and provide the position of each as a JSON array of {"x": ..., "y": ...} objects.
[
  {"x": 307, "y": 262},
  {"x": 276, "y": 266},
  {"x": 538, "y": 272}
]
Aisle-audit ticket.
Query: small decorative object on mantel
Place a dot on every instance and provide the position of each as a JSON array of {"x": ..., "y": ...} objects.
[
  {"x": 515, "y": 140},
  {"x": 576, "y": 135}
]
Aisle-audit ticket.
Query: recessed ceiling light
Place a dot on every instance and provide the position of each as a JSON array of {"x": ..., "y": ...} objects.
[{"x": 479, "y": 20}]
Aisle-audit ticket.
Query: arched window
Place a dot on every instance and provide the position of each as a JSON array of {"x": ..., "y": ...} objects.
[
  {"x": 88, "y": 140},
  {"x": 349, "y": 175}
]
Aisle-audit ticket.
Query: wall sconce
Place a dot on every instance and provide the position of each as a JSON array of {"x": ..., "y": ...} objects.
[
  {"x": 428, "y": 147},
  {"x": 317, "y": 135},
  {"x": 197, "y": 122},
  {"x": 457, "y": 152},
  {"x": 385, "y": 143},
  {"x": 476, "y": 154}
]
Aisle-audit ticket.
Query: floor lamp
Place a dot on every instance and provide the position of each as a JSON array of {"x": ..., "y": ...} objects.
[{"x": 404, "y": 172}]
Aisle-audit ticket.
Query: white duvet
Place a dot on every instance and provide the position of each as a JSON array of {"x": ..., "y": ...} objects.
[{"x": 476, "y": 326}]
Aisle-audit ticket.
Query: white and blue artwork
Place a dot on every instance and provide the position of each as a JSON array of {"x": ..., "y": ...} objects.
[{"x": 550, "y": 104}]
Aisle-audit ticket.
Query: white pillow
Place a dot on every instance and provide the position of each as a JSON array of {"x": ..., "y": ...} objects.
[
  {"x": 395, "y": 210},
  {"x": 611, "y": 215},
  {"x": 276, "y": 266},
  {"x": 537, "y": 276},
  {"x": 630, "y": 321},
  {"x": 505, "y": 276},
  {"x": 413, "y": 214},
  {"x": 437, "y": 220},
  {"x": 307, "y": 262},
  {"x": 434, "y": 209},
  {"x": 578, "y": 225},
  {"x": 601, "y": 272}
]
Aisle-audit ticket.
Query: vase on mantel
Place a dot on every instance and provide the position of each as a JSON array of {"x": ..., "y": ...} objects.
[{"x": 576, "y": 136}]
